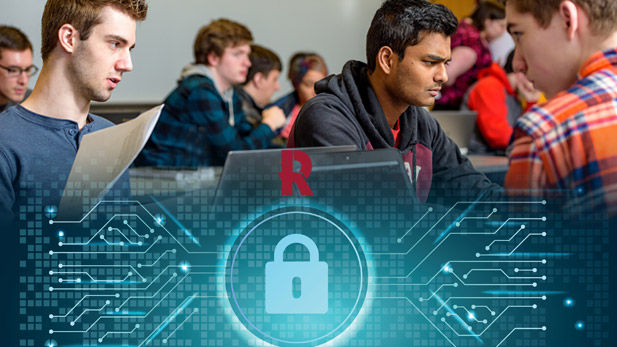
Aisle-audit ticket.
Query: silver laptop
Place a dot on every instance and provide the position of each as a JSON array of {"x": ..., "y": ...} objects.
[{"x": 458, "y": 125}]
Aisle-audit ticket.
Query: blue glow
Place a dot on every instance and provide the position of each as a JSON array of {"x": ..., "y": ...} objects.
[
  {"x": 246, "y": 219},
  {"x": 544, "y": 255},
  {"x": 579, "y": 325},
  {"x": 51, "y": 211},
  {"x": 185, "y": 266},
  {"x": 521, "y": 292},
  {"x": 499, "y": 223},
  {"x": 457, "y": 317},
  {"x": 60, "y": 233},
  {"x": 170, "y": 319},
  {"x": 175, "y": 220},
  {"x": 160, "y": 220},
  {"x": 569, "y": 302},
  {"x": 471, "y": 206},
  {"x": 125, "y": 313},
  {"x": 51, "y": 343}
]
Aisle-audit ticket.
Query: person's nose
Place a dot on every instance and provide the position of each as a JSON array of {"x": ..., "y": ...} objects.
[
  {"x": 518, "y": 63},
  {"x": 125, "y": 64},
  {"x": 23, "y": 78},
  {"x": 442, "y": 75}
]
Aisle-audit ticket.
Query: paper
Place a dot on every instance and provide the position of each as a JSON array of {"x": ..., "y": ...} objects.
[{"x": 102, "y": 158}]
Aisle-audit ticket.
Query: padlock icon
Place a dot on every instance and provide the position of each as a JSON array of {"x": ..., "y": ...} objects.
[{"x": 281, "y": 275}]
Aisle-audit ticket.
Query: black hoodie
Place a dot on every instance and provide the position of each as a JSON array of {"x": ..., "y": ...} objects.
[{"x": 346, "y": 111}]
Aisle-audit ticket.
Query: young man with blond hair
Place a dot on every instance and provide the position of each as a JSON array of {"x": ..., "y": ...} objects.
[
  {"x": 86, "y": 47},
  {"x": 568, "y": 49},
  {"x": 203, "y": 119},
  {"x": 16, "y": 66}
]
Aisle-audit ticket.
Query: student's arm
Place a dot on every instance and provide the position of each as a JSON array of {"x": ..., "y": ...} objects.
[
  {"x": 526, "y": 169},
  {"x": 325, "y": 122},
  {"x": 453, "y": 174},
  {"x": 463, "y": 59},
  {"x": 488, "y": 99},
  {"x": 7, "y": 193},
  {"x": 207, "y": 109}
]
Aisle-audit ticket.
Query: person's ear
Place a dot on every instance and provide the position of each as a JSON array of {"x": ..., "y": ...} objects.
[
  {"x": 385, "y": 59},
  {"x": 258, "y": 79},
  {"x": 67, "y": 37},
  {"x": 213, "y": 59},
  {"x": 570, "y": 15}
]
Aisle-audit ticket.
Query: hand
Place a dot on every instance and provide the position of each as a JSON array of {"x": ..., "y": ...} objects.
[
  {"x": 526, "y": 89},
  {"x": 274, "y": 117}
]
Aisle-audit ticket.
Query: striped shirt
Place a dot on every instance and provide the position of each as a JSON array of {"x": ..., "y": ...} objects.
[{"x": 569, "y": 144}]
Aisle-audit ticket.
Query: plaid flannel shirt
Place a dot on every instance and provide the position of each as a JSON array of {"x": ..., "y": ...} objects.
[
  {"x": 569, "y": 144},
  {"x": 194, "y": 128}
]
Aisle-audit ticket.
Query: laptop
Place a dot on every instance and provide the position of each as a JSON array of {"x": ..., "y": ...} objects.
[
  {"x": 248, "y": 172},
  {"x": 458, "y": 125}
]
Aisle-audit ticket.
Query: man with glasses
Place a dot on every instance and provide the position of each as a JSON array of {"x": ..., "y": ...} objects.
[{"x": 15, "y": 66}]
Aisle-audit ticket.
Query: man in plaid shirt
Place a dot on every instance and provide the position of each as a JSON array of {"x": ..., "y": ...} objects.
[
  {"x": 569, "y": 144},
  {"x": 203, "y": 119}
]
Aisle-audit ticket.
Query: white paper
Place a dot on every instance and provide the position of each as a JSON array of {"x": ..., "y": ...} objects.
[{"x": 102, "y": 157}]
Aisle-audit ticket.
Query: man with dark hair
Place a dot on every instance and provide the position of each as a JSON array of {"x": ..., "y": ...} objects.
[
  {"x": 261, "y": 83},
  {"x": 568, "y": 49},
  {"x": 86, "y": 49},
  {"x": 380, "y": 104},
  {"x": 16, "y": 65},
  {"x": 203, "y": 119}
]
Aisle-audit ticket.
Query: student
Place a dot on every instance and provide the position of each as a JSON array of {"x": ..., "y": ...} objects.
[
  {"x": 471, "y": 52},
  {"x": 261, "y": 83},
  {"x": 16, "y": 66},
  {"x": 499, "y": 97},
  {"x": 85, "y": 49},
  {"x": 569, "y": 50},
  {"x": 305, "y": 69},
  {"x": 203, "y": 119},
  {"x": 381, "y": 104}
]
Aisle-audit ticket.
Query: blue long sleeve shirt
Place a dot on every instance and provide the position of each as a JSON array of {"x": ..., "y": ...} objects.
[{"x": 36, "y": 157}]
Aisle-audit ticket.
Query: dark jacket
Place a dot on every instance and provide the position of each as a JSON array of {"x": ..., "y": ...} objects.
[{"x": 346, "y": 111}]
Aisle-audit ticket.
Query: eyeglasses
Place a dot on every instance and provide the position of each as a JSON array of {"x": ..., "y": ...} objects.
[{"x": 15, "y": 71}]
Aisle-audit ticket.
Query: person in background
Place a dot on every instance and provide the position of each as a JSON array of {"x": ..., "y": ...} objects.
[
  {"x": 568, "y": 49},
  {"x": 15, "y": 65},
  {"x": 381, "y": 104},
  {"x": 203, "y": 118},
  {"x": 305, "y": 69},
  {"x": 499, "y": 97},
  {"x": 470, "y": 52},
  {"x": 261, "y": 83}
]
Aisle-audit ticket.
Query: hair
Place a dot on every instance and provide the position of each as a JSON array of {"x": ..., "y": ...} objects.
[
  {"x": 218, "y": 35},
  {"x": 263, "y": 61},
  {"x": 509, "y": 65},
  {"x": 301, "y": 63},
  {"x": 602, "y": 13},
  {"x": 399, "y": 24},
  {"x": 83, "y": 15},
  {"x": 13, "y": 39},
  {"x": 487, "y": 10}
]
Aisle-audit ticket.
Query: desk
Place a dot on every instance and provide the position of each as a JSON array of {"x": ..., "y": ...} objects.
[
  {"x": 494, "y": 167},
  {"x": 147, "y": 180},
  {"x": 489, "y": 163}
]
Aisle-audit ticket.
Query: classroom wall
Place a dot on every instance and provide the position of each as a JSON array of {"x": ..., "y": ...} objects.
[{"x": 334, "y": 28}]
